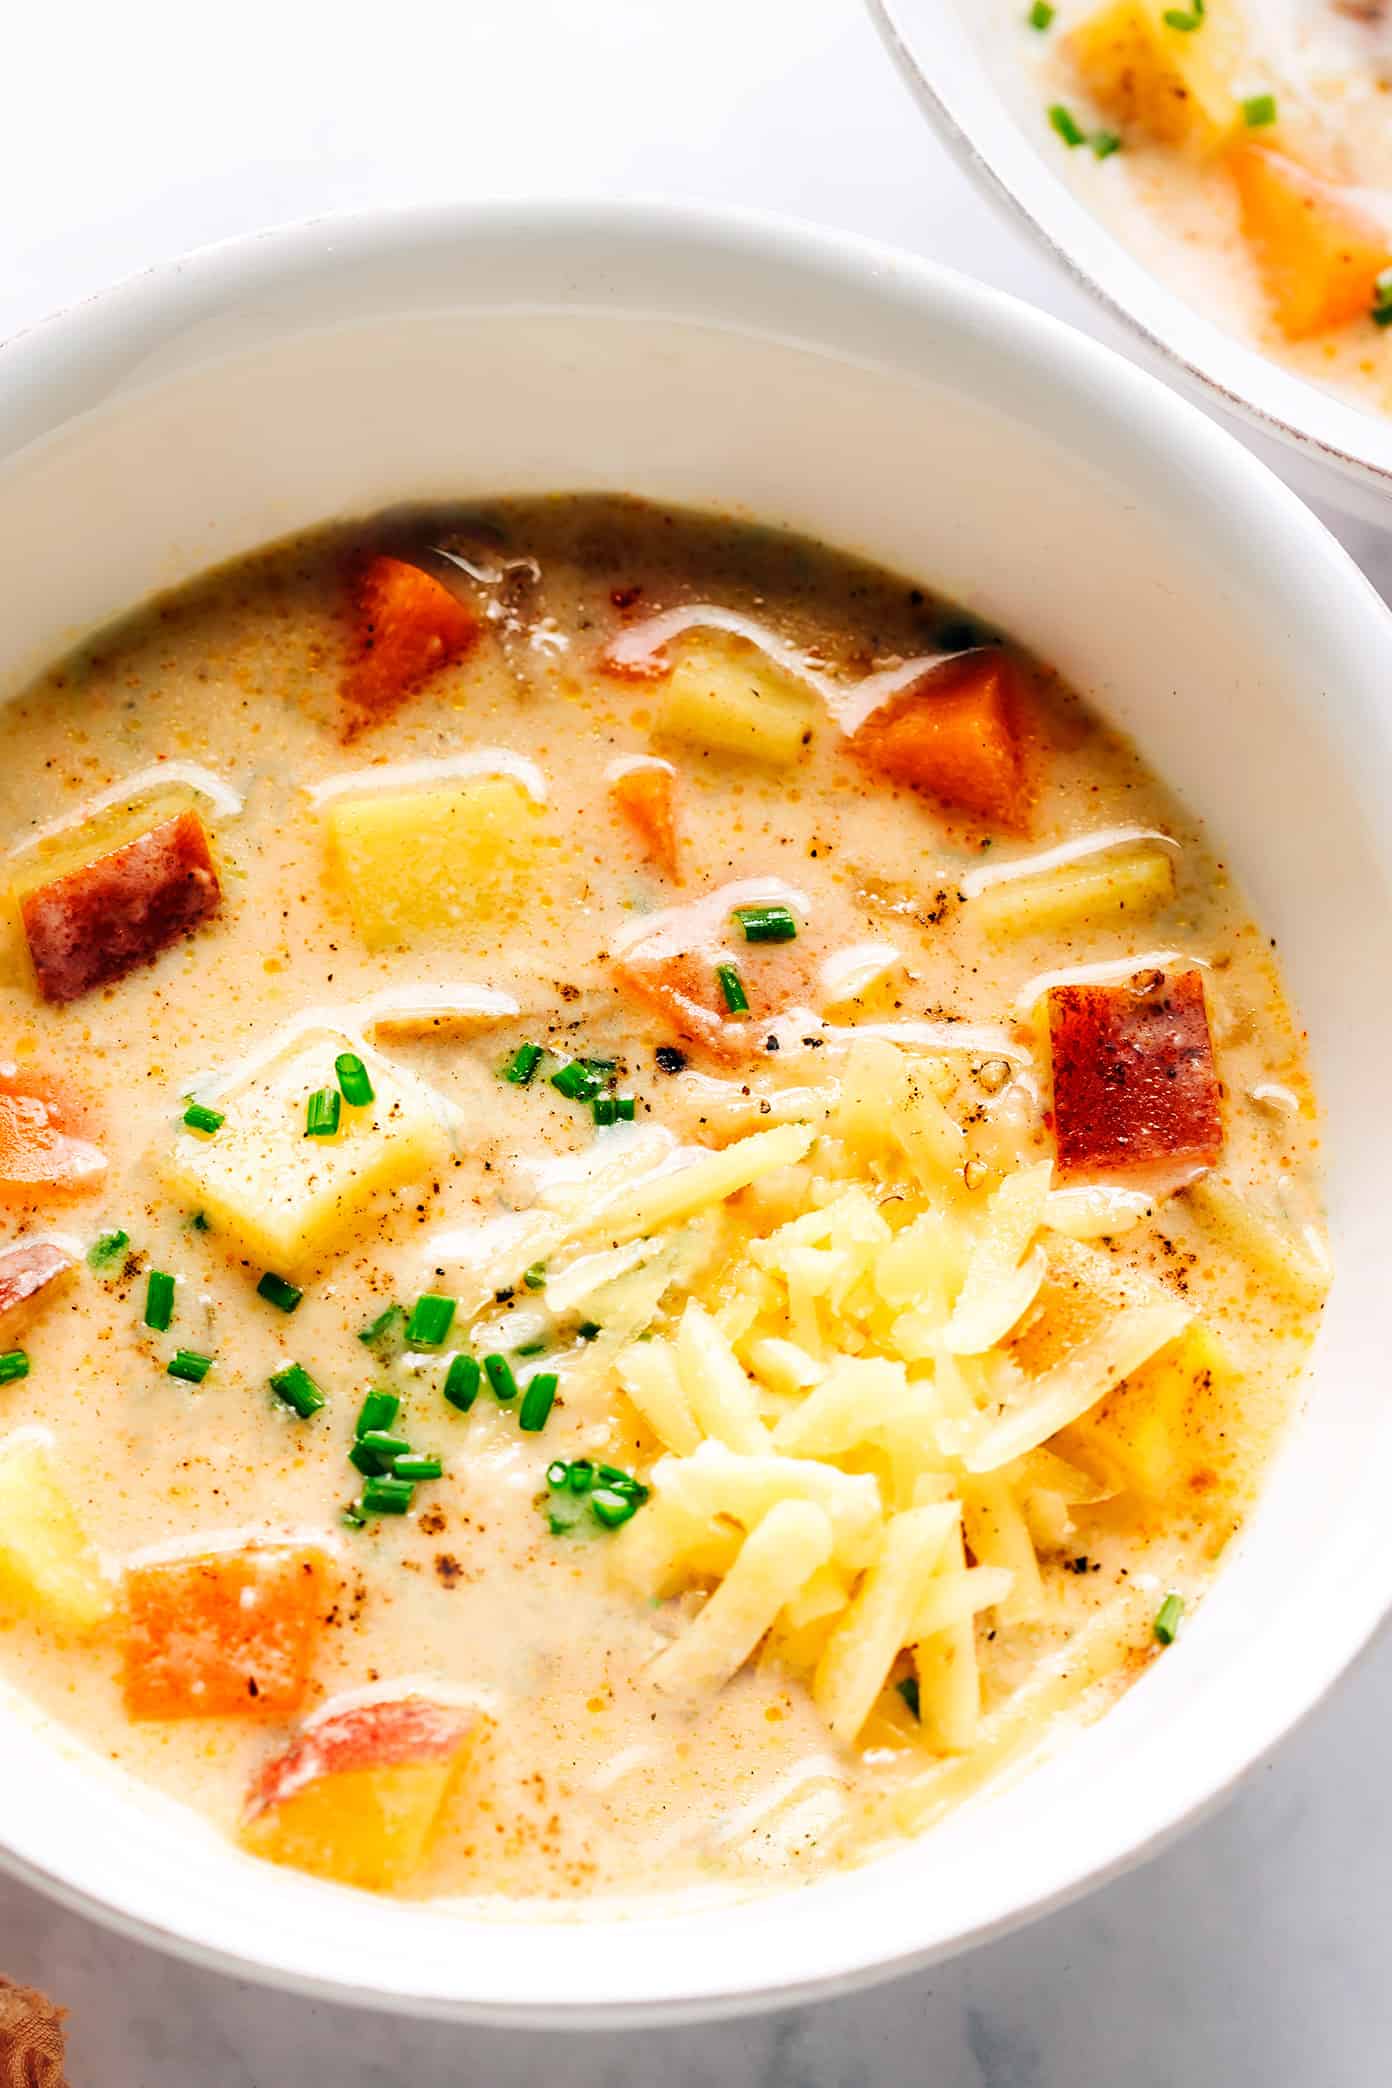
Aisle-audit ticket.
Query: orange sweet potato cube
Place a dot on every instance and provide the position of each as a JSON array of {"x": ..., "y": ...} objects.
[
  {"x": 1134, "y": 1080},
  {"x": 955, "y": 735},
  {"x": 407, "y": 626},
  {"x": 684, "y": 986},
  {"x": 225, "y": 1632},
  {"x": 95, "y": 923},
  {"x": 357, "y": 1794},
  {"x": 1318, "y": 252},
  {"x": 42, "y": 1147},
  {"x": 645, "y": 792}
]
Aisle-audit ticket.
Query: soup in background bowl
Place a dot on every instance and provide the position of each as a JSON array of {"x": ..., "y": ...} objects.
[{"x": 720, "y": 1192}]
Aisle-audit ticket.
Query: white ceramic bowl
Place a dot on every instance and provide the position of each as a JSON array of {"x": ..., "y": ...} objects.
[
  {"x": 956, "y": 58},
  {"x": 893, "y": 410}
]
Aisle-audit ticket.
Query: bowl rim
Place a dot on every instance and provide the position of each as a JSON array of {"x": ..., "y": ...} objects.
[
  {"x": 855, "y": 289},
  {"x": 1081, "y": 244}
]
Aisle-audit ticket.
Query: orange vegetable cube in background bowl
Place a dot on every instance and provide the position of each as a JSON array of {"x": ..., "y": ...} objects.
[{"x": 1318, "y": 253}]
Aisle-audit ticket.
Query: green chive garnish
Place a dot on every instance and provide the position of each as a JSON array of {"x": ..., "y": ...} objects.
[
  {"x": 580, "y": 1475},
  {"x": 387, "y": 1496},
  {"x": 188, "y": 1364},
  {"x": 107, "y": 1250},
  {"x": 378, "y": 1410},
  {"x": 1259, "y": 110},
  {"x": 13, "y": 1364},
  {"x": 1382, "y": 299},
  {"x": 199, "y": 1222},
  {"x": 376, "y": 1451},
  {"x": 767, "y": 924},
  {"x": 159, "y": 1300},
  {"x": 557, "y": 1474},
  {"x": 612, "y": 1508},
  {"x": 354, "y": 1081},
  {"x": 200, "y": 1118},
  {"x": 537, "y": 1402},
  {"x": 417, "y": 1468},
  {"x": 500, "y": 1377},
  {"x": 276, "y": 1291},
  {"x": 386, "y": 1335},
  {"x": 352, "y": 1516},
  {"x": 431, "y": 1320},
  {"x": 606, "y": 1110},
  {"x": 1041, "y": 15},
  {"x": 1185, "y": 19},
  {"x": 908, "y": 1690},
  {"x": 532, "y": 1348},
  {"x": 535, "y": 1277},
  {"x": 461, "y": 1386},
  {"x": 297, "y": 1388},
  {"x": 1105, "y": 143},
  {"x": 577, "y": 1081},
  {"x": 1066, "y": 126},
  {"x": 732, "y": 987},
  {"x": 523, "y": 1064},
  {"x": 627, "y": 1106},
  {"x": 322, "y": 1113},
  {"x": 1167, "y": 1619}
]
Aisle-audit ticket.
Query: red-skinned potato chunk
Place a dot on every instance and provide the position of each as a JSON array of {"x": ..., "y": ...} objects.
[
  {"x": 407, "y": 626},
  {"x": 231, "y": 1632},
  {"x": 1134, "y": 1081},
  {"x": 357, "y": 1794},
  {"x": 955, "y": 735},
  {"x": 27, "y": 1271},
  {"x": 645, "y": 792},
  {"x": 94, "y": 924},
  {"x": 1319, "y": 253},
  {"x": 42, "y": 1151}
]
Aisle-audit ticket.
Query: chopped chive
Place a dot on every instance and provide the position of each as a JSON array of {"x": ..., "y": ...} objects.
[
  {"x": 462, "y": 1382},
  {"x": 500, "y": 1377},
  {"x": 297, "y": 1389},
  {"x": 1259, "y": 110},
  {"x": 417, "y": 1468},
  {"x": 535, "y": 1277},
  {"x": 627, "y": 1107},
  {"x": 1185, "y": 19},
  {"x": 908, "y": 1690},
  {"x": 731, "y": 986},
  {"x": 386, "y": 1335},
  {"x": 580, "y": 1475},
  {"x": 1104, "y": 143},
  {"x": 606, "y": 1110},
  {"x": 588, "y": 1330},
  {"x": 557, "y": 1474},
  {"x": 354, "y": 1081},
  {"x": 352, "y": 1516},
  {"x": 1382, "y": 299},
  {"x": 199, "y": 1222},
  {"x": 577, "y": 1081},
  {"x": 522, "y": 1065},
  {"x": 322, "y": 1113},
  {"x": 107, "y": 1249},
  {"x": 376, "y": 1451},
  {"x": 276, "y": 1291},
  {"x": 622, "y": 1482},
  {"x": 366, "y": 1461},
  {"x": 537, "y": 1402},
  {"x": 532, "y": 1348},
  {"x": 767, "y": 924},
  {"x": 612, "y": 1508},
  {"x": 200, "y": 1118},
  {"x": 1066, "y": 125},
  {"x": 159, "y": 1300},
  {"x": 1167, "y": 1619},
  {"x": 1041, "y": 15},
  {"x": 13, "y": 1364},
  {"x": 387, "y": 1496},
  {"x": 430, "y": 1320},
  {"x": 378, "y": 1410},
  {"x": 188, "y": 1364}
]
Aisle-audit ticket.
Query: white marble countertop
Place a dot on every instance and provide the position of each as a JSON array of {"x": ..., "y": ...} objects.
[{"x": 1253, "y": 1954}]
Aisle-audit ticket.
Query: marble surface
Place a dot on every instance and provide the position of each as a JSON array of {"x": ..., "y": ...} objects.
[{"x": 1252, "y": 1955}]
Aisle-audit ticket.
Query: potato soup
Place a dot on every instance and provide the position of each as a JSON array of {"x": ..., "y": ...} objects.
[
  {"x": 1243, "y": 150},
  {"x": 659, "y": 1207}
]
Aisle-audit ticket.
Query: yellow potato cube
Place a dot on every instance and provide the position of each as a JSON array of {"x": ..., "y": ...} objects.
[
  {"x": 284, "y": 1198},
  {"x": 723, "y": 694},
  {"x": 1146, "y": 1436},
  {"x": 1095, "y": 889},
  {"x": 48, "y": 1568},
  {"x": 449, "y": 863},
  {"x": 1175, "y": 85}
]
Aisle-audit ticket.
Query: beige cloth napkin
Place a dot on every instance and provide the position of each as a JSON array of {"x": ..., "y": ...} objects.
[{"x": 32, "y": 2044}]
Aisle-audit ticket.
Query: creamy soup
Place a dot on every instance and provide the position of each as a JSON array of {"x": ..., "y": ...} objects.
[
  {"x": 1243, "y": 150},
  {"x": 660, "y": 1207}
]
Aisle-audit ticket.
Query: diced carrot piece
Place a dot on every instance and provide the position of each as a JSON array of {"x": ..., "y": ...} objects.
[
  {"x": 96, "y": 923},
  {"x": 26, "y": 1272},
  {"x": 955, "y": 735},
  {"x": 41, "y": 1149},
  {"x": 407, "y": 627},
  {"x": 684, "y": 987},
  {"x": 357, "y": 1794},
  {"x": 1134, "y": 1080},
  {"x": 1318, "y": 252},
  {"x": 225, "y": 1632},
  {"x": 645, "y": 792}
]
